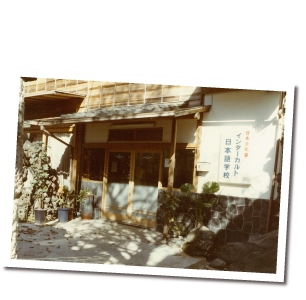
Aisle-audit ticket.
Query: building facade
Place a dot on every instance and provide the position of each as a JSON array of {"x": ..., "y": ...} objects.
[{"x": 127, "y": 141}]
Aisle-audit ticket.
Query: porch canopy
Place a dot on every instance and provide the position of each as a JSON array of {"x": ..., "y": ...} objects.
[
  {"x": 51, "y": 104},
  {"x": 156, "y": 110}
]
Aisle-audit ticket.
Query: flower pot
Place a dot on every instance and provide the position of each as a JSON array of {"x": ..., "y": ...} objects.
[
  {"x": 87, "y": 207},
  {"x": 63, "y": 214},
  {"x": 40, "y": 216}
]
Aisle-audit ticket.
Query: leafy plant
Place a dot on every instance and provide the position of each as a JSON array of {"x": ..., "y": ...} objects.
[
  {"x": 169, "y": 205},
  {"x": 209, "y": 189},
  {"x": 66, "y": 196},
  {"x": 82, "y": 194},
  {"x": 186, "y": 188},
  {"x": 41, "y": 181}
]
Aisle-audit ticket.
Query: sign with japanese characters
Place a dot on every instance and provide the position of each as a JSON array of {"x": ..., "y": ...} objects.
[{"x": 235, "y": 155}]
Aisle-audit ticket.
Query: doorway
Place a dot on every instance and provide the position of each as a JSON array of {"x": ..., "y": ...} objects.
[{"x": 133, "y": 178}]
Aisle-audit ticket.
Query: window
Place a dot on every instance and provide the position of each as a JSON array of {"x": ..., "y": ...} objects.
[
  {"x": 183, "y": 170},
  {"x": 139, "y": 134},
  {"x": 93, "y": 164}
]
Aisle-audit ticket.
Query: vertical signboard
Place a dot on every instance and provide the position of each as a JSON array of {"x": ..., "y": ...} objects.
[{"x": 235, "y": 156}]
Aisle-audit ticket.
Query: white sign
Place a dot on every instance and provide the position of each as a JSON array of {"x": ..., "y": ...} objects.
[
  {"x": 235, "y": 155},
  {"x": 167, "y": 162}
]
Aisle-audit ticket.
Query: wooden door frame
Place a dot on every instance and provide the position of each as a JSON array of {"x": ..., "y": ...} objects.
[{"x": 128, "y": 217}]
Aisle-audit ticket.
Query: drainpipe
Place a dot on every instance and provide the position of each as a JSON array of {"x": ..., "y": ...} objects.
[
  {"x": 273, "y": 186},
  {"x": 281, "y": 113}
]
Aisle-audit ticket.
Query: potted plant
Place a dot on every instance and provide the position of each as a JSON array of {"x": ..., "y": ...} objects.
[
  {"x": 86, "y": 200},
  {"x": 65, "y": 202}
]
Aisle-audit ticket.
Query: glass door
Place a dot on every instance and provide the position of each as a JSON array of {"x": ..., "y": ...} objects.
[
  {"x": 132, "y": 186},
  {"x": 145, "y": 192},
  {"x": 119, "y": 167}
]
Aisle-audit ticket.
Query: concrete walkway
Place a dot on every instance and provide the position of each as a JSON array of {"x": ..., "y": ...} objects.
[{"x": 98, "y": 242}]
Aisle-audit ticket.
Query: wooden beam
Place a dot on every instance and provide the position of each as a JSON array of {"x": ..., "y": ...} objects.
[
  {"x": 73, "y": 180},
  {"x": 51, "y": 134},
  {"x": 172, "y": 156},
  {"x": 79, "y": 141},
  {"x": 197, "y": 153},
  {"x": 140, "y": 146}
]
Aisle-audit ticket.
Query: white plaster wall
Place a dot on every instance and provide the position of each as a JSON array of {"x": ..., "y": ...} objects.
[
  {"x": 166, "y": 124},
  {"x": 186, "y": 131},
  {"x": 96, "y": 132},
  {"x": 234, "y": 110}
]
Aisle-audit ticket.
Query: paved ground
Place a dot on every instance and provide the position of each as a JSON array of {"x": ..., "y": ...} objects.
[{"x": 98, "y": 242}]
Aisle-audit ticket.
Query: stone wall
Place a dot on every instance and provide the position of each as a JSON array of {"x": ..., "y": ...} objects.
[{"x": 233, "y": 219}]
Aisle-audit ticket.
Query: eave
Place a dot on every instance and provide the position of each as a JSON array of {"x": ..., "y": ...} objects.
[{"x": 86, "y": 119}]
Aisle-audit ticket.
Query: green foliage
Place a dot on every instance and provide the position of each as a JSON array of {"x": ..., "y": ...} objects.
[
  {"x": 66, "y": 197},
  {"x": 169, "y": 205},
  {"x": 40, "y": 183},
  {"x": 210, "y": 187},
  {"x": 186, "y": 188},
  {"x": 82, "y": 194}
]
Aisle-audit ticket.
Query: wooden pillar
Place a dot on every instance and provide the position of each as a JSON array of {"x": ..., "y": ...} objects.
[
  {"x": 131, "y": 184},
  {"x": 170, "y": 174},
  {"x": 172, "y": 156},
  {"x": 197, "y": 152},
  {"x": 105, "y": 179},
  {"x": 74, "y": 161},
  {"x": 78, "y": 135}
]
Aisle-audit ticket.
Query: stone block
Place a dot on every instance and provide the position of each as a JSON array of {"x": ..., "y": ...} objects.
[
  {"x": 231, "y": 200},
  {"x": 263, "y": 222},
  {"x": 215, "y": 222},
  {"x": 240, "y": 201},
  {"x": 248, "y": 202},
  {"x": 218, "y": 208},
  {"x": 213, "y": 229},
  {"x": 232, "y": 209},
  {"x": 223, "y": 203},
  {"x": 257, "y": 205},
  {"x": 224, "y": 223},
  {"x": 256, "y": 213},
  {"x": 264, "y": 213},
  {"x": 256, "y": 222},
  {"x": 265, "y": 204},
  {"x": 247, "y": 217},
  {"x": 247, "y": 227},
  {"x": 232, "y": 226},
  {"x": 240, "y": 209},
  {"x": 238, "y": 221},
  {"x": 230, "y": 216},
  {"x": 214, "y": 214}
]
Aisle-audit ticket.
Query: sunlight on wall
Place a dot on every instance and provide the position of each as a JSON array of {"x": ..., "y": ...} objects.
[
  {"x": 234, "y": 111},
  {"x": 60, "y": 156}
]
